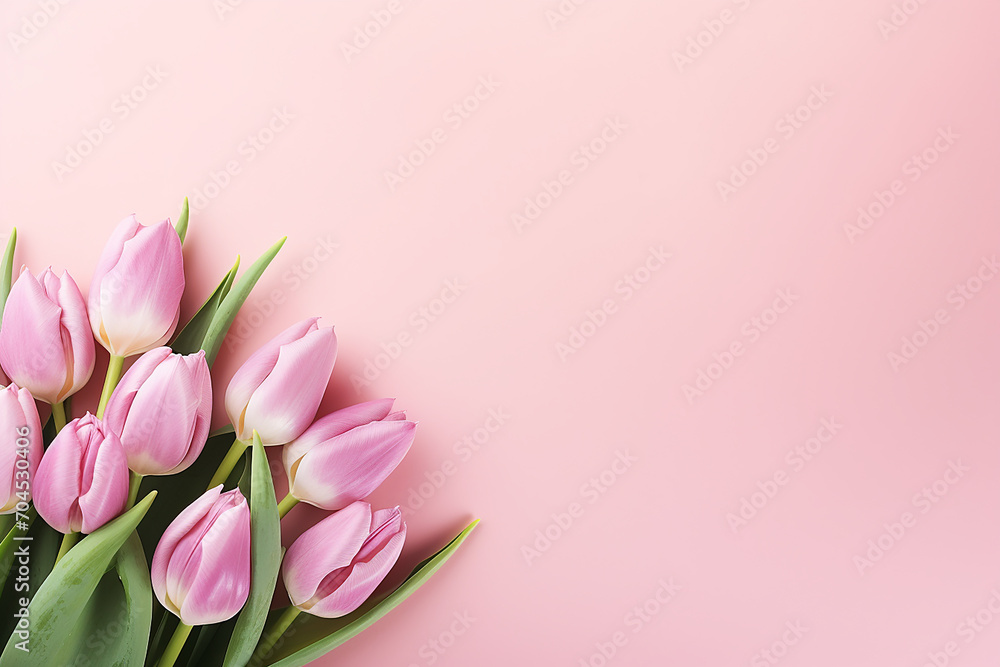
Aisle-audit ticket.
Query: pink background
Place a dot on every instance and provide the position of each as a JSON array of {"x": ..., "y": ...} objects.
[{"x": 320, "y": 177}]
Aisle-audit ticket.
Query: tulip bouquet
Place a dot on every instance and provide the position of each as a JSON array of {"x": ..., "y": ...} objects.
[{"x": 102, "y": 512}]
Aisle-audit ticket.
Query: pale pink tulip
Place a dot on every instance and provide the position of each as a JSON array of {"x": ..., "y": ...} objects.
[
  {"x": 333, "y": 567},
  {"x": 201, "y": 567},
  {"x": 345, "y": 455},
  {"x": 45, "y": 342},
  {"x": 278, "y": 389},
  {"x": 82, "y": 481},
  {"x": 20, "y": 447},
  {"x": 135, "y": 294},
  {"x": 162, "y": 410}
]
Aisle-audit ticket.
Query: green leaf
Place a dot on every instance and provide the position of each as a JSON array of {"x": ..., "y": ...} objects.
[
  {"x": 228, "y": 429},
  {"x": 62, "y": 598},
  {"x": 317, "y": 636},
  {"x": 182, "y": 221},
  {"x": 9, "y": 544},
  {"x": 114, "y": 626},
  {"x": 192, "y": 335},
  {"x": 7, "y": 270},
  {"x": 231, "y": 305},
  {"x": 265, "y": 559}
]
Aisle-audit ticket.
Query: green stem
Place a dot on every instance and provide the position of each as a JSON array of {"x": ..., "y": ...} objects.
[
  {"x": 134, "y": 480},
  {"x": 68, "y": 540},
  {"x": 110, "y": 382},
  {"x": 273, "y": 634},
  {"x": 228, "y": 463},
  {"x": 174, "y": 647},
  {"x": 286, "y": 504},
  {"x": 59, "y": 415}
]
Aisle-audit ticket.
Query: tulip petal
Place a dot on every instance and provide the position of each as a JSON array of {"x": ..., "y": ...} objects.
[
  {"x": 223, "y": 582},
  {"x": 335, "y": 423},
  {"x": 286, "y": 401},
  {"x": 189, "y": 517},
  {"x": 31, "y": 340},
  {"x": 328, "y": 546},
  {"x": 349, "y": 467},
  {"x": 57, "y": 483}
]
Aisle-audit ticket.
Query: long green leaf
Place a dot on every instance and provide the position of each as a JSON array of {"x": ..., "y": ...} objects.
[
  {"x": 114, "y": 626},
  {"x": 62, "y": 598},
  {"x": 231, "y": 305},
  {"x": 182, "y": 221},
  {"x": 7, "y": 270},
  {"x": 265, "y": 559},
  {"x": 8, "y": 544},
  {"x": 340, "y": 630},
  {"x": 193, "y": 334}
]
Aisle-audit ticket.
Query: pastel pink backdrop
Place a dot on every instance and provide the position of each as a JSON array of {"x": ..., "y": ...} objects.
[{"x": 345, "y": 118}]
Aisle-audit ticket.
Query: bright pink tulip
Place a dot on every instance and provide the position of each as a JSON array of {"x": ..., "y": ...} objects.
[
  {"x": 162, "y": 409},
  {"x": 45, "y": 341},
  {"x": 135, "y": 294},
  {"x": 82, "y": 481},
  {"x": 333, "y": 567},
  {"x": 345, "y": 455},
  {"x": 201, "y": 567},
  {"x": 20, "y": 446},
  {"x": 278, "y": 389}
]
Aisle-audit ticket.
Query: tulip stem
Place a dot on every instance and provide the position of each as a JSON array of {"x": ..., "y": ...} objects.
[
  {"x": 226, "y": 467},
  {"x": 134, "y": 480},
  {"x": 286, "y": 504},
  {"x": 273, "y": 634},
  {"x": 110, "y": 382},
  {"x": 59, "y": 415},
  {"x": 68, "y": 540},
  {"x": 174, "y": 647}
]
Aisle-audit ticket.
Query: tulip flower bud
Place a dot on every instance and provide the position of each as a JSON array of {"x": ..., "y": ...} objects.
[
  {"x": 201, "y": 567},
  {"x": 20, "y": 447},
  {"x": 161, "y": 410},
  {"x": 82, "y": 481},
  {"x": 345, "y": 455},
  {"x": 279, "y": 388},
  {"x": 45, "y": 341},
  {"x": 135, "y": 294},
  {"x": 333, "y": 567}
]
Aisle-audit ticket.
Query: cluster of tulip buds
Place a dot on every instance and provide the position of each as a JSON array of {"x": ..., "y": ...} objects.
[{"x": 155, "y": 420}]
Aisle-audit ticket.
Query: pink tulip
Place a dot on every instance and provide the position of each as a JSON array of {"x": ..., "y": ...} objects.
[
  {"x": 20, "y": 447},
  {"x": 333, "y": 567},
  {"x": 345, "y": 455},
  {"x": 161, "y": 410},
  {"x": 201, "y": 567},
  {"x": 45, "y": 341},
  {"x": 82, "y": 481},
  {"x": 279, "y": 388},
  {"x": 135, "y": 294}
]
